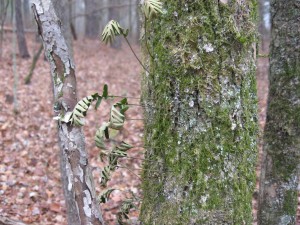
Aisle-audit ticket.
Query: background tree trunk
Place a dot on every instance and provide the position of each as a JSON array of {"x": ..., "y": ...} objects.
[
  {"x": 82, "y": 206},
  {"x": 92, "y": 19},
  {"x": 26, "y": 13},
  {"x": 20, "y": 30},
  {"x": 4, "y": 7},
  {"x": 114, "y": 14},
  {"x": 281, "y": 162},
  {"x": 200, "y": 114}
]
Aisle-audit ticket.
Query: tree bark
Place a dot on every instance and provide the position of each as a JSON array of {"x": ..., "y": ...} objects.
[
  {"x": 92, "y": 19},
  {"x": 200, "y": 113},
  {"x": 62, "y": 9},
  {"x": 82, "y": 206},
  {"x": 281, "y": 162},
  {"x": 20, "y": 30}
]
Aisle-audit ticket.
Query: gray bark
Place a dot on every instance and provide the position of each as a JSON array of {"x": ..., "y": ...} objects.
[
  {"x": 200, "y": 113},
  {"x": 20, "y": 30},
  {"x": 62, "y": 9},
  {"x": 92, "y": 19},
  {"x": 281, "y": 162},
  {"x": 82, "y": 206}
]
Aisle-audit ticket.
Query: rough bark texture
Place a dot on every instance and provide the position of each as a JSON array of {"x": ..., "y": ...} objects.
[
  {"x": 92, "y": 19},
  {"x": 280, "y": 172},
  {"x": 200, "y": 113},
  {"x": 82, "y": 206},
  {"x": 20, "y": 30},
  {"x": 62, "y": 9}
]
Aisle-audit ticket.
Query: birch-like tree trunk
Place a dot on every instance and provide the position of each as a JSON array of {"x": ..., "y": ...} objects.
[
  {"x": 281, "y": 162},
  {"x": 200, "y": 113},
  {"x": 20, "y": 30},
  {"x": 82, "y": 206}
]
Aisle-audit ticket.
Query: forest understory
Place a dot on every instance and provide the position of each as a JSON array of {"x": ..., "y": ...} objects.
[{"x": 30, "y": 188}]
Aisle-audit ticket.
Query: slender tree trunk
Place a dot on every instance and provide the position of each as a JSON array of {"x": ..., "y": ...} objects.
[
  {"x": 114, "y": 14},
  {"x": 281, "y": 163},
  {"x": 200, "y": 113},
  {"x": 82, "y": 206},
  {"x": 4, "y": 7},
  {"x": 62, "y": 10},
  {"x": 26, "y": 13},
  {"x": 92, "y": 21},
  {"x": 20, "y": 30}
]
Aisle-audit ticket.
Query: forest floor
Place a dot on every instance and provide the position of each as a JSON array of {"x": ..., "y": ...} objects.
[{"x": 30, "y": 188}]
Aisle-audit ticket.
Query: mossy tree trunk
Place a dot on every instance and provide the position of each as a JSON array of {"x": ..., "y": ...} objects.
[
  {"x": 281, "y": 164},
  {"x": 201, "y": 113}
]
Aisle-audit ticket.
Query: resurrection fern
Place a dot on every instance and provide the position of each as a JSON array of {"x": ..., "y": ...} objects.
[
  {"x": 80, "y": 110},
  {"x": 104, "y": 197},
  {"x": 123, "y": 213},
  {"x": 116, "y": 122},
  {"x": 111, "y": 30},
  {"x": 99, "y": 138},
  {"x": 151, "y": 7}
]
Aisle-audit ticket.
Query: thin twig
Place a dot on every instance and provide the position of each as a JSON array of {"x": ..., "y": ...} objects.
[
  {"x": 124, "y": 167},
  {"x": 135, "y": 54},
  {"x": 118, "y": 96}
]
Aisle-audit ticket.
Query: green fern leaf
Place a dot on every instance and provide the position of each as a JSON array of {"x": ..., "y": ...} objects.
[
  {"x": 111, "y": 30},
  {"x": 99, "y": 138},
  {"x": 104, "y": 197},
  {"x": 80, "y": 111},
  {"x": 105, "y": 175},
  {"x": 116, "y": 118},
  {"x": 152, "y": 7}
]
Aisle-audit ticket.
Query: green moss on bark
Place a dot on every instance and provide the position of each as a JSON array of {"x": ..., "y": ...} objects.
[{"x": 201, "y": 114}]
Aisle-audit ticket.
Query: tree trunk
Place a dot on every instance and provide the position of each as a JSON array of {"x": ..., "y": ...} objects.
[
  {"x": 82, "y": 206},
  {"x": 20, "y": 30},
  {"x": 114, "y": 14},
  {"x": 92, "y": 19},
  {"x": 200, "y": 113},
  {"x": 281, "y": 162},
  {"x": 26, "y": 13},
  {"x": 62, "y": 10}
]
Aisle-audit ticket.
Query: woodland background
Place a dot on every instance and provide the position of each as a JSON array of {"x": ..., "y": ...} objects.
[{"x": 30, "y": 188}]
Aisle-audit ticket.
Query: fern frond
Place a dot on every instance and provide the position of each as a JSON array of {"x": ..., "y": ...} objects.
[
  {"x": 152, "y": 7},
  {"x": 104, "y": 197},
  {"x": 116, "y": 119},
  {"x": 105, "y": 175},
  {"x": 99, "y": 137},
  {"x": 123, "y": 213},
  {"x": 80, "y": 110},
  {"x": 111, "y": 30}
]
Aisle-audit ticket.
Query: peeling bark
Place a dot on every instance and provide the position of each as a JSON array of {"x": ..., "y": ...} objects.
[
  {"x": 200, "y": 113},
  {"x": 281, "y": 162},
  {"x": 82, "y": 206}
]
